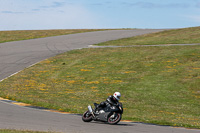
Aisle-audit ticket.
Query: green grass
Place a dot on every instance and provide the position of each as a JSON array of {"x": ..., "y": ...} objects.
[
  {"x": 158, "y": 84},
  {"x": 19, "y": 131},
  {"x": 7, "y": 36},
  {"x": 177, "y": 36}
]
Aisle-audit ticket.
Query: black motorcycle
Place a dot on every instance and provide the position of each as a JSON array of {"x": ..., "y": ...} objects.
[{"x": 110, "y": 114}]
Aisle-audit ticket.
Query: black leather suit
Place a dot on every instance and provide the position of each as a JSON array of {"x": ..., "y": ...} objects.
[{"x": 110, "y": 100}]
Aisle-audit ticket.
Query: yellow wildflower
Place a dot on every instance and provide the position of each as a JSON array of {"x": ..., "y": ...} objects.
[
  {"x": 71, "y": 81},
  {"x": 94, "y": 87},
  {"x": 85, "y": 70},
  {"x": 91, "y": 82}
]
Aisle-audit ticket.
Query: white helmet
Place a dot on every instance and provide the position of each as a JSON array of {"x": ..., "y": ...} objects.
[{"x": 117, "y": 95}]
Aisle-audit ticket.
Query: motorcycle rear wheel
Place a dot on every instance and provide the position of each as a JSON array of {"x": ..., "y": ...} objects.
[
  {"x": 87, "y": 117},
  {"x": 114, "y": 120}
]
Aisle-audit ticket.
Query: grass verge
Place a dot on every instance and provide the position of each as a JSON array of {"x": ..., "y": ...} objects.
[
  {"x": 158, "y": 84},
  {"x": 7, "y": 36},
  {"x": 176, "y": 36}
]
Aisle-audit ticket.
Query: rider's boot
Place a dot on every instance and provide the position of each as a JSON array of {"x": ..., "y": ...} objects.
[{"x": 96, "y": 110}]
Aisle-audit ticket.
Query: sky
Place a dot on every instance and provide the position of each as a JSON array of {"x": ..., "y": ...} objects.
[{"x": 98, "y": 14}]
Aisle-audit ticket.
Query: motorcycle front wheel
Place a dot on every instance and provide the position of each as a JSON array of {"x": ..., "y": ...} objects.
[
  {"x": 115, "y": 118},
  {"x": 87, "y": 116}
]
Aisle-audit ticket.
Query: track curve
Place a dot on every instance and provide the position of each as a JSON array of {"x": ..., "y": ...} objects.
[{"x": 15, "y": 56}]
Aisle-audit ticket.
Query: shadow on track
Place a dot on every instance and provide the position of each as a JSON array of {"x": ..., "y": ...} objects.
[{"x": 119, "y": 124}]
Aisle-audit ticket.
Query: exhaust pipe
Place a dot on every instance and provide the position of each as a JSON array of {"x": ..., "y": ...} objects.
[{"x": 90, "y": 110}]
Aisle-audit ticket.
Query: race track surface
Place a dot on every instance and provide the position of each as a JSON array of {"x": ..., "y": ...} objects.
[{"x": 15, "y": 56}]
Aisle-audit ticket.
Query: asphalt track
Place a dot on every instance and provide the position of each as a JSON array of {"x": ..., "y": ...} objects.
[{"x": 15, "y": 56}]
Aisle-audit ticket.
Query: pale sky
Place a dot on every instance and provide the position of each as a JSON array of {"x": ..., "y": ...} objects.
[{"x": 90, "y": 14}]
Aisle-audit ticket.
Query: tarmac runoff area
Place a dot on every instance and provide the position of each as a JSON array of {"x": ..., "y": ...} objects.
[{"x": 15, "y": 56}]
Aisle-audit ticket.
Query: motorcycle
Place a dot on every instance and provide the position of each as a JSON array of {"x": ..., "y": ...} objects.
[{"x": 110, "y": 114}]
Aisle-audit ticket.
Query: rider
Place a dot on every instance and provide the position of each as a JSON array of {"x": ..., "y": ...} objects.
[{"x": 113, "y": 100}]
